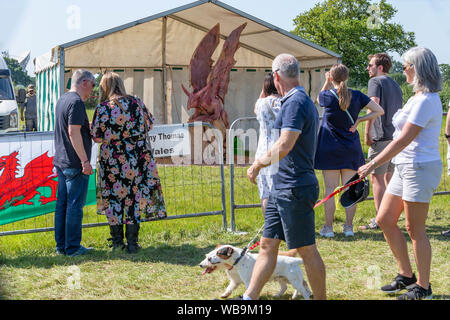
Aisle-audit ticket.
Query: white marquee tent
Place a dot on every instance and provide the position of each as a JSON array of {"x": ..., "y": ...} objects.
[{"x": 153, "y": 54}]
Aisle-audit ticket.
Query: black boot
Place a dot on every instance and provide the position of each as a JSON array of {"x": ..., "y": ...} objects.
[
  {"x": 132, "y": 234},
  {"x": 116, "y": 232}
]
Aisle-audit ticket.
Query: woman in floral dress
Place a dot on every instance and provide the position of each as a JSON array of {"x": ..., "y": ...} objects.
[{"x": 128, "y": 186}]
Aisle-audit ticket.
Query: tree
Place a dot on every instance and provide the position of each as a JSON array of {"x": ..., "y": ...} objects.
[
  {"x": 354, "y": 29},
  {"x": 19, "y": 77},
  {"x": 397, "y": 67},
  {"x": 445, "y": 71}
]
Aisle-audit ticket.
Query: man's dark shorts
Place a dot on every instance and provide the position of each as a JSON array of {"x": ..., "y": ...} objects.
[{"x": 290, "y": 216}]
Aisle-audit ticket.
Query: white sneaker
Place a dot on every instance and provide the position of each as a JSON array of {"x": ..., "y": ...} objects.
[
  {"x": 326, "y": 232},
  {"x": 348, "y": 231}
]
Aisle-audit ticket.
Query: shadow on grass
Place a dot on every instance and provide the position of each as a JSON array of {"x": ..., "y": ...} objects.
[
  {"x": 441, "y": 297},
  {"x": 433, "y": 232},
  {"x": 185, "y": 254},
  {"x": 288, "y": 296}
]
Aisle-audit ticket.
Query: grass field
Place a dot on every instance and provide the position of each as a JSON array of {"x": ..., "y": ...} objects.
[{"x": 167, "y": 266}]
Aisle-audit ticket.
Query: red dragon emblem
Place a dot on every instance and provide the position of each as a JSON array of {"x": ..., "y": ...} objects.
[{"x": 17, "y": 191}]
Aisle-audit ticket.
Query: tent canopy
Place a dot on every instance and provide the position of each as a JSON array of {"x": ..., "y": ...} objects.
[
  {"x": 170, "y": 38},
  {"x": 153, "y": 54}
]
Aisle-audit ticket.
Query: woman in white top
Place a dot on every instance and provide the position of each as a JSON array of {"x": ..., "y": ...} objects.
[
  {"x": 266, "y": 110},
  {"x": 418, "y": 169}
]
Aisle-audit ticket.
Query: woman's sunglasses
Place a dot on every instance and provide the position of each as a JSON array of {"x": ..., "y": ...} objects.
[{"x": 405, "y": 67}]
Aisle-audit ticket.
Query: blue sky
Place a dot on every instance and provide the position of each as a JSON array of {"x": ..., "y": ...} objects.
[{"x": 39, "y": 25}]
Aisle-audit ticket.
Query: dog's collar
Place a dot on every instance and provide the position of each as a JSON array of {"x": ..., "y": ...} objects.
[{"x": 239, "y": 258}]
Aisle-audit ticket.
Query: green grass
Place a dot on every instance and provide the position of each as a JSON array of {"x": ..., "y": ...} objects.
[{"x": 167, "y": 266}]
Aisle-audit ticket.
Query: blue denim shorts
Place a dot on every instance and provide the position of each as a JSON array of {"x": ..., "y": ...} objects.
[{"x": 290, "y": 216}]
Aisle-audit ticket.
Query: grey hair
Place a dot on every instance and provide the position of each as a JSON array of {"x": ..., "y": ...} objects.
[
  {"x": 287, "y": 66},
  {"x": 80, "y": 75},
  {"x": 428, "y": 76}
]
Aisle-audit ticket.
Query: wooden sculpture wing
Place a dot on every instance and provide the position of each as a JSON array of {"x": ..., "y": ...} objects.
[
  {"x": 220, "y": 74},
  {"x": 201, "y": 62}
]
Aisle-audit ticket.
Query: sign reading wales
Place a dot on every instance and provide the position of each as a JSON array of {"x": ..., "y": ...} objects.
[{"x": 27, "y": 178}]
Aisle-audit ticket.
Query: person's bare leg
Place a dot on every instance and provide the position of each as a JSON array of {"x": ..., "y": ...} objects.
[
  {"x": 387, "y": 219},
  {"x": 379, "y": 188},
  {"x": 315, "y": 270},
  {"x": 331, "y": 181},
  {"x": 264, "y": 266},
  {"x": 264, "y": 204},
  {"x": 416, "y": 215},
  {"x": 346, "y": 175},
  {"x": 387, "y": 178}
]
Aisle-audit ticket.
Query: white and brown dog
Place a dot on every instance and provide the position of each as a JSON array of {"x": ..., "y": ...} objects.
[{"x": 287, "y": 270}]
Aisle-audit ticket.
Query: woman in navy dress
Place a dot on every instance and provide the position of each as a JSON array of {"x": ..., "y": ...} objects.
[{"x": 339, "y": 153}]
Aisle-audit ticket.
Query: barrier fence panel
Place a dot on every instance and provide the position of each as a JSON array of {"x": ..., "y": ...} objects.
[
  {"x": 193, "y": 183},
  {"x": 189, "y": 160},
  {"x": 242, "y": 141},
  {"x": 244, "y": 195}
]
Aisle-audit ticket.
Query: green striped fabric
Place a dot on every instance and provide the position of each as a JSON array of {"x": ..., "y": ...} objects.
[{"x": 48, "y": 94}]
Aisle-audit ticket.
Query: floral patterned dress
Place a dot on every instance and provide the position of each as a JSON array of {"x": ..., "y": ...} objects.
[{"x": 128, "y": 186}]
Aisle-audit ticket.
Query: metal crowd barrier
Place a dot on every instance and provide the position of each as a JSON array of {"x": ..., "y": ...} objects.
[
  {"x": 240, "y": 186},
  {"x": 191, "y": 188}
]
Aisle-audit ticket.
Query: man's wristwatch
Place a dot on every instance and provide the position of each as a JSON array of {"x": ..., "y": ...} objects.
[
  {"x": 84, "y": 162},
  {"x": 373, "y": 163}
]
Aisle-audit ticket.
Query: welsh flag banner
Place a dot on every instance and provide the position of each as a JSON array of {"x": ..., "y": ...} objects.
[{"x": 28, "y": 179}]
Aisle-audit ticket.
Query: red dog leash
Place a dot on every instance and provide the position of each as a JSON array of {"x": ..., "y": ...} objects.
[{"x": 339, "y": 189}]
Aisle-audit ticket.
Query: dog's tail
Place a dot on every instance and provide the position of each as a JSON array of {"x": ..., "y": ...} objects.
[{"x": 291, "y": 253}]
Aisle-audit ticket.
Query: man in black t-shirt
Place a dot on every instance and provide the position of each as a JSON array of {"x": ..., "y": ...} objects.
[
  {"x": 379, "y": 132},
  {"x": 73, "y": 146}
]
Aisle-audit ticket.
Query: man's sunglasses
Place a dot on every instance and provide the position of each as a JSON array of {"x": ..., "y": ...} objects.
[{"x": 92, "y": 83}]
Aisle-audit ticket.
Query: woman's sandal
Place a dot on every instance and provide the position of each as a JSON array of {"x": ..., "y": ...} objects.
[{"x": 371, "y": 226}]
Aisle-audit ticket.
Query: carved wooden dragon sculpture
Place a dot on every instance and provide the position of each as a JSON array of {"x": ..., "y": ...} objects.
[{"x": 210, "y": 84}]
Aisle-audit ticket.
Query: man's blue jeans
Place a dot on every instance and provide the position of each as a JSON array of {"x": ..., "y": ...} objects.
[{"x": 72, "y": 192}]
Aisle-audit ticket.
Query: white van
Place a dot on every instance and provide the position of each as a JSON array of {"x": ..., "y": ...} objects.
[{"x": 9, "y": 112}]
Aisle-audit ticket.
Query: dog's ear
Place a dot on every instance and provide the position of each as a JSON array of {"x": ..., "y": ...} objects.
[{"x": 226, "y": 252}]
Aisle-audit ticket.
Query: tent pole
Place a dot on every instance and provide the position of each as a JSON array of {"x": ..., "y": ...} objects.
[
  {"x": 310, "y": 83},
  {"x": 164, "y": 67},
  {"x": 61, "y": 71}
]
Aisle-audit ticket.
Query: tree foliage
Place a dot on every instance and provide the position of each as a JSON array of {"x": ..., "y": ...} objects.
[
  {"x": 445, "y": 71},
  {"x": 342, "y": 26},
  {"x": 407, "y": 89},
  {"x": 445, "y": 93},
  {"x": 18, "y": 76}
]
